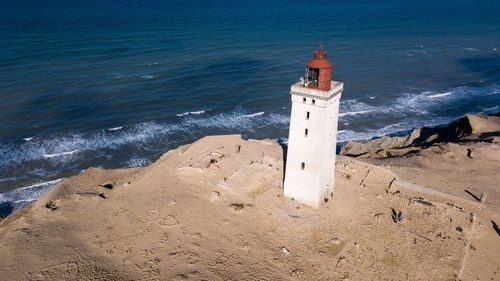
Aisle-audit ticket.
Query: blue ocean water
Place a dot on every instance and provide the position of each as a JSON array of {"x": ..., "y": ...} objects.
[{"x": 118, "y": 83}]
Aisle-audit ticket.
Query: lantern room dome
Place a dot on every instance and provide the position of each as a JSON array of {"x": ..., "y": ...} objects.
[
  {"x": 320, "y": 60},
  {"x": 318, "y": 71}
]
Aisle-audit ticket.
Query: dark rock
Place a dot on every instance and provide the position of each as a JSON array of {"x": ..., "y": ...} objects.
[
  {"x": 6, "y": 209},
  {"x": 465, "y": 128}
]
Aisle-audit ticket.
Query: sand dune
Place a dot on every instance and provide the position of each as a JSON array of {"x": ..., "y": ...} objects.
[{"x": 214, "y": 210}]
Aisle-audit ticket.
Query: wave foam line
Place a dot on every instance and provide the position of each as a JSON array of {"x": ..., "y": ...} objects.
[
  {"x": 54, "y": 147},
  {"x": 190, "y": 113},
  {"x": 470, "y": 49},
  {"x": 440, "y": 95},
  {"x": 23, "y": 196},
  {"x": 355, "y": 112},
  {"x": 59, "y": 154},
  {"x": 417, "y": 104},
  {"x": 253, "y": 115},
  {"x": 406, "y": 126}
]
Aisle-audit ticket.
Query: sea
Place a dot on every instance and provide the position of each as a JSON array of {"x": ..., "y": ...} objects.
[{"x": 116, "y": 84}]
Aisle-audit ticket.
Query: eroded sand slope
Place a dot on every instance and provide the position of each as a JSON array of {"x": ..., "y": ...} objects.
[{"x": 214, "y": 210}]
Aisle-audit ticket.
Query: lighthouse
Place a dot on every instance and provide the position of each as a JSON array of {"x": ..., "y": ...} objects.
[{"x": 310, "y": 163}]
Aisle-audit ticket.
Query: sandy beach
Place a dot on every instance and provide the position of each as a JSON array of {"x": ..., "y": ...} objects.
[{"x": 420, "y": 207}]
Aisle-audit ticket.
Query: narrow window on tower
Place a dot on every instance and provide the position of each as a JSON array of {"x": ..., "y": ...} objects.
[
  {"x": 313, "y": 101},
  {"x": 302, "y": 165},
  {"x": 306, "y": 132},
  {"x": 307, "y": 115},
  {"x": 303, "y": 99}
]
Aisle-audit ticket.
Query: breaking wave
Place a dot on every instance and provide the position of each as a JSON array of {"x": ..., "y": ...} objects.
[
  {"x": 60, "y": 148},
  {"x": 190, "y": 113},
  {"x": 419, "y": 105},
  {"x": 59, "y": 154},
  {"x": 254, "y": 114}
]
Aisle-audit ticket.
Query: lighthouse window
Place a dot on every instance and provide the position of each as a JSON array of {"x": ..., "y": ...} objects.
[
  {"x": 302, "y": 165},
  {"x": 303, "y": 99},
  {"x": 306, "y": 132},
  {"x": 307, "y": 115},
  {"x": 312, "y": 75},
  {"x": 313, "y": 101}
]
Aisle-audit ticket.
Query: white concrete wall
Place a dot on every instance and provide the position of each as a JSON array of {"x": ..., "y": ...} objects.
[{"x": 317, "y": 150}]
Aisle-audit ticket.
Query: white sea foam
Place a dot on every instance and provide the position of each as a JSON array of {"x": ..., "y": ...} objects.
[
  {"x": 59, "y": 154},
  {"x": 28, "y": 139},
  {"x": 440, "y": 95},
  {"x": 470, "y": 49},
  {"x": 40, "y": 184},
  {"x": 147, "y": 76},
  {"x": 23, "y": 196},
  {"x": 355, "y": 112},
  {"x": 138, "y": 162},
  {"x": 190, "y": 113},
  {"x": 347, "y": 135},
  {"x": 353, "y": 108},
  {"x": 253, "y": 115},
  {"x": 115, "y": 128}
]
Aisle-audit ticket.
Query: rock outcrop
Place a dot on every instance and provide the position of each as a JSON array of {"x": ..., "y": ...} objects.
[{"x": 467, "y": 128}]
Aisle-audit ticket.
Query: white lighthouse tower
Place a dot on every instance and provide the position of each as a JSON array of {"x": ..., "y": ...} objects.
[{"x": 310, "y": 163}]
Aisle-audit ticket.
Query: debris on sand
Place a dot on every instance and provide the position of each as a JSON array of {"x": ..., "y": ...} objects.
[
  {"x": 422, "y": 201},
  {"x": 396, "y": 216},
  {"x": 469, "y": 153},
  {"x": 99, "y": 194},
  {"x": 285, "y": 251},
  {"x": 237, "y": 206},
  {"x": 108, "y": 185},
  {"x": 51, "y": 205},
  {"x": 214, "y": 196},
  {"x": 495, "y": 227}
]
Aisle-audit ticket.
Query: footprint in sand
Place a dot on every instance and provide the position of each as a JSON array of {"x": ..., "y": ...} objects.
[
  {"x": 150, "y": 215},
  {"x": 168, "y": 221}
]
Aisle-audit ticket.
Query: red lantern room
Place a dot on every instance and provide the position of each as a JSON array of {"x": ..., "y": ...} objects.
[{"x": 319, "y": 71}]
